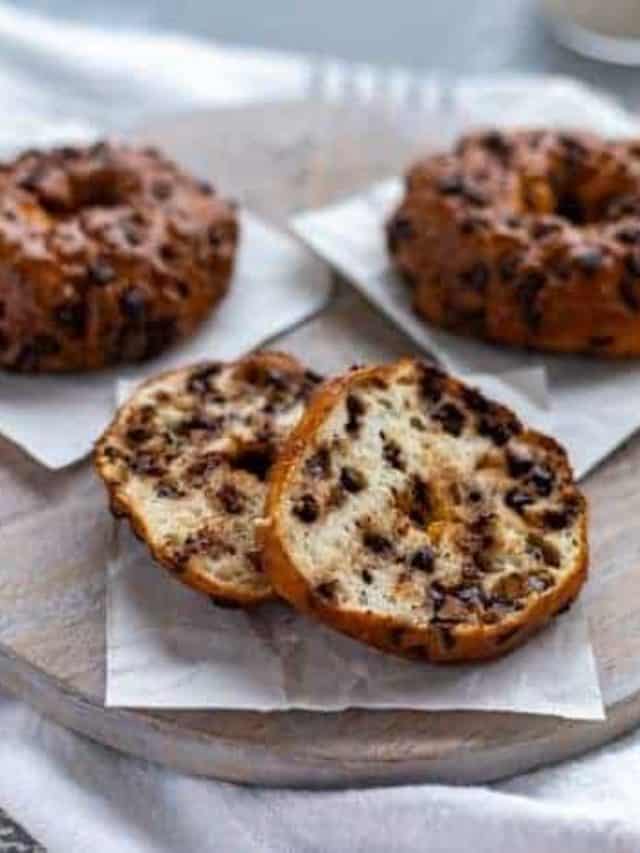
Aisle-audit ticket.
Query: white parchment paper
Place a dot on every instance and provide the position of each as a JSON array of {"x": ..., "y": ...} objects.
[
  {"x": 594, "y": 404},
  {"x": 169, "y": 647},
  {"x": 277, "y": 283}
]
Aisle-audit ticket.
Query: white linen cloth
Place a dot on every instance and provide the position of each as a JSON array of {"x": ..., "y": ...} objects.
[{"x": 75, "y": 796}]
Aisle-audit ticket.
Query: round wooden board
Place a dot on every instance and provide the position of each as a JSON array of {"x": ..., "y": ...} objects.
[{"x": 52, "y": 611}]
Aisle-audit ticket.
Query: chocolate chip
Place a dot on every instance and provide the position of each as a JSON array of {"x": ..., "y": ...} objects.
[
  {"x": 399, "y": 229},
  {"x": 451, "y": 418},
  {"x": 548, "y": 551},
  {"x": 423, "y": 559},
  {"x": 451, "y": 185},
  {"x": 327, "y": 590},
  {"x": 518, "y": 466},
  {"x": 517, "y": 500},
  {"x": 366, "y": 576},
  {"x": 100, "y": 273},
  {"x": 306, "y": 508},
  {"x": 476, "y": 400},
  {"x": 231, "y": 498},
  {"x": 417, "y": 424},
  {"x": 556, "y": 519},
  {"x": 72, "y": 316},
  {"x": 508, "y": 266},
  {"x": 319, "y": 465},
  {"x": 420, "y": 501},
  {"x": 254, "y": 460},
  {"x": 166, "y": 489},
  {"x": 476, "y": 277},
  {"x": 161, "y": 189},
  {"x": 137, "y": 435},
  {"x": 590, "y": 260},
  {"x": 352, "y": 480},
  {"x": 431, "y": 383},
  {"x": 529, "y": 288},
  {"x": 205, "y": 187},
  {"x": 497, "y": 144},
  {"x": 199, "y": 379},
  {"x": 168, "y": 252},
  {"x": 133, "y": 305},
  {"x": 147, "y": 464},
  {"x": 569, "y": 207},
  {"x": 392, "y": 454},
  {"x": 376, "y": 542},
  {"x": 355, "y": 410},
  {"x": 542, "y": 479},
  {"x": 499, "y": 431}
]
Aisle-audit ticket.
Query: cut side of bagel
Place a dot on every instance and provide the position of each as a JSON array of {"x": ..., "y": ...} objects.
[
  {"x": 186, "y": 460},
  {"x": 412, "y": 513}
]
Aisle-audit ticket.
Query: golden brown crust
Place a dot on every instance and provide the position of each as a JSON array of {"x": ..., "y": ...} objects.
[
  {"x": 439, "y": 641},
  {"x": 282, "y": 385},
  {"x": 108, "y": 254},
  {"x": 528, "y": 238}
]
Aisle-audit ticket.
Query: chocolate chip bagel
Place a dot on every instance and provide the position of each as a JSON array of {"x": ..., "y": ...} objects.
[
  {"x": 530, "y": 238},
  {"x": 107, "y": 254}
]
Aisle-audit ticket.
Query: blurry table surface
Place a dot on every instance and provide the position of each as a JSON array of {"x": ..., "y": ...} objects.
[{"x": 454, "y": 36}]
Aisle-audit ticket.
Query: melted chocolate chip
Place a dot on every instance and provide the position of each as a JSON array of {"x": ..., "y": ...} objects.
[
  {"x": 355, "y": 410},
  {"x": 518, "y": 500},
  {"x": 529, "y": 288},
  {"x": 319, "y": 465},
  {"x": 420, "y": 501},
  {"x": 499, "y": 431},
  {"x": 518, "y": 466},
  {"x": 451, "y": 418},
  {"x": 199, "y": 381},
  {"x": 166, "y": 489},
  {"x": 497, "y": 144},
  {"x": 476, "y": 400},
  {"x": 376, "y": 542},
  {"x": 392, "y": 454},
  {"x": 542, "y": 479},
  {"x": 306, "y": 508},
  {"x": 100, "y": 273},
  {"x": 327, "y": 590},
  {"x": 423, "y": 559},
  {"x": 352, "y": 480},
  {"x": 557, "y": 519},
  {"x": 508, "y": 266},
  {"x": 400, "y": 229},
  {"x": 254, "y": 460},
  {"x": 451, "y": 185},
  {"x": 161, "y": 189},
  {"x": 432, "y": 381},
  {"x": 590, "y": 260},
  {"x": 72, "y": 316},
  {"x": 231, "y": 498},
  {"x": 476, "y": 277},
  {"x": 133, "y": 305}
]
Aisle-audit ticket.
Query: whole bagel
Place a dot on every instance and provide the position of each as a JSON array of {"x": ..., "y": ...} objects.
[
  {"x": 108, "y": 254},
  {"x": 529, "y": 238}
]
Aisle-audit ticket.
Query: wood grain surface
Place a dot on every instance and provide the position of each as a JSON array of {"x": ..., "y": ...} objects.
[{"x": 278, "y": 159}]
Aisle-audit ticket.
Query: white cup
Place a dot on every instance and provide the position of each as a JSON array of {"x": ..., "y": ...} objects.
[{"x": 604, "y": 29}]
